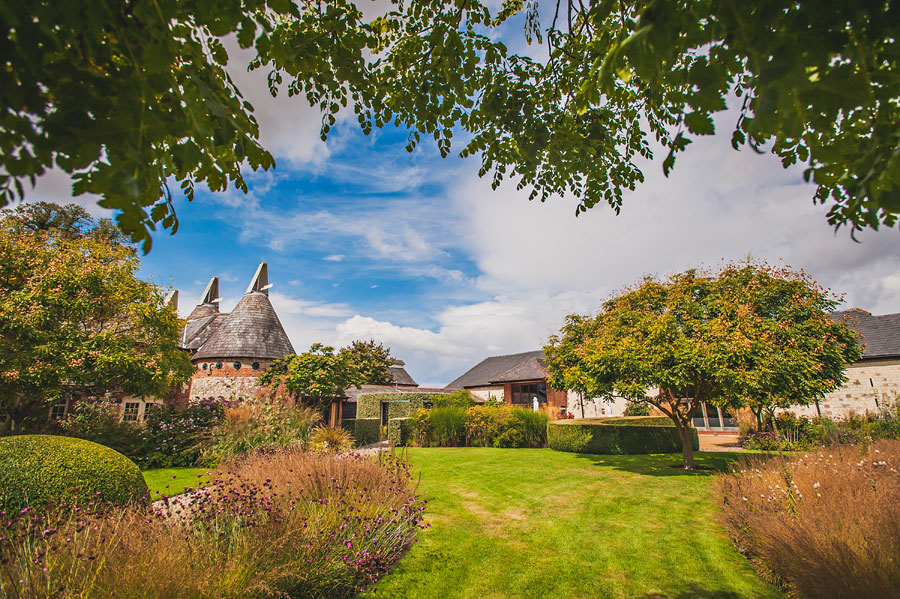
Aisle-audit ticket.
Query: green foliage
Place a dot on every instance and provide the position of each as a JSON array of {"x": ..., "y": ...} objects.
[
  {"x": 176, "y": 436},
  {"x": 371, "y": 360},
  {"x": 746, "y": 334},
  {"x": 574, "y": 439},
  {"x": 616, "y": 436},
  {"x": 367, "y": 430},
  {"x": 532, "y": 426},
  {"x": 460, "y": 399},
  {"x": 399, "y": 432},
  {"x": 447, "y": 426},
  {"x": 483, "y": 426},
  {"x": 35, "y": 469},
  {"x": 76, "y": 319},
  {"x": 637, "y": 408},
  {"x": 125, "y": 101},
  {"x": 317, "y": 376},
  {"x": 257, "y": 425},
  {"x": 100, "y": 421}
]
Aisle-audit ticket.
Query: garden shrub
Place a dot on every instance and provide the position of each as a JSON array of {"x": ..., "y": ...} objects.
[
  {"x": 448, "y": 426},
  {"x": 618, "y": 436},
  {"x": 176, "y": 436},
  {"x": 824, "y": 524},
  {"x": 260, "y": 425},
  {"x": 285, "y": 524},
  {"x": 100, "y": 421},
  {"x": 37, "y": 469},
  {"x": 419, "y": 424},
  {"x": 509, "y": 438},
  {"x": 457, "y": 399},
  {"x": 573, "y": 439},
  {"x": 331, "y": 438},
  {"x": 368, "y": 430},
  {"x": 532, "y": 426},
  {"x": 636, "y": 408}
]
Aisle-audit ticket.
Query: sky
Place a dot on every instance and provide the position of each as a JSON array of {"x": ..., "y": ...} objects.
[{"x": 367, "y": 241}]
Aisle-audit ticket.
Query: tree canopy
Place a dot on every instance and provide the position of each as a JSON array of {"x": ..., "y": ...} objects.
[
  {"x": 76, "y": 320},
  {"x": 746, "y": 334},
  {"x": 371, "y": 360},
  {"x": 132, "y": 96}
]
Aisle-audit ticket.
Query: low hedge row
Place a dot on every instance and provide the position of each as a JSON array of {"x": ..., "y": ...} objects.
[
  {"x": 35, "y": 469},
  {"x": 366, "y": 430},
  {"x": 617, "y": 436}
]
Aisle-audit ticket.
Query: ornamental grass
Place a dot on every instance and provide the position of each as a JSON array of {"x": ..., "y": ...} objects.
[
  {"x": 822, "y": 524},
  {"x": 286, "y": 524}
]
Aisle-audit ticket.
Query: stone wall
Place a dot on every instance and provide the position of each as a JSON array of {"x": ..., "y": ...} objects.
[
  {"x": 223, "y": 380},
  {"x": 870, "y": 384}
]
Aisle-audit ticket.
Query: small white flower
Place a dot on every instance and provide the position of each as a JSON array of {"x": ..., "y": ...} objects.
[{"x": 816, "y": 486}]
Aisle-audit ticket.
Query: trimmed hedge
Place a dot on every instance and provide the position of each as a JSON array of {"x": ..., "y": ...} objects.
[
  {"x": 617, "y": 436},
  {"x": 367, "y": 430},
  {"x": 398, "y": 432},
  {"x": 35, "y": 469}
]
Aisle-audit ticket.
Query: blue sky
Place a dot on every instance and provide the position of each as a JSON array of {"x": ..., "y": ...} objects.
[{"x": 365, "y": 240}]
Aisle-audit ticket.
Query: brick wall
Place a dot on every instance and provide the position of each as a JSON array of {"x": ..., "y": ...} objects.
[{"x": 226, "y": 381}]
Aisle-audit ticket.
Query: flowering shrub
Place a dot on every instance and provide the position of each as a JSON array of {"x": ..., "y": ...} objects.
[
  {"x": 794, "y": 433},
  {"x": 331, "y": 438},
  {"x": 286, "y": 524},
  {"x": 177, "y": 436},
  {"x": 823, "y": 525}
]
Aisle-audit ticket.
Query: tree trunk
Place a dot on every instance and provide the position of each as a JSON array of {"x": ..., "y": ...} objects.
[{"x": 687, "y": 446}]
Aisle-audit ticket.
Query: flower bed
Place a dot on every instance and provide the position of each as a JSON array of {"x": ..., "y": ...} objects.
[
  {"x": 285, "y": 524},
  {"x": 824, "y": 524}
]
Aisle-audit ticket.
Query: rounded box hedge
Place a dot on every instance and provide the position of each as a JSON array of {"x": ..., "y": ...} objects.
[
  {"x": 617, "y": 436},
  {"x": 35, "y": 469}
]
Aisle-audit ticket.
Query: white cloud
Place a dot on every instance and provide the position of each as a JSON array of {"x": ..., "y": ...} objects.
[{"x": 334, "y": 257}]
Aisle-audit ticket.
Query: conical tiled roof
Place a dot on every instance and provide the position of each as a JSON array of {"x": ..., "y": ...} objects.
[{"x": 252, "y": 330}]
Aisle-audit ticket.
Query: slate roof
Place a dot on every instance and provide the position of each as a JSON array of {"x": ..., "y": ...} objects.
[
  {"x": 492, "y": 369},
  {"x": 531, "y": 369},
  {"x": 399, "y": 375},
  {"x": 252, "y": 330},
  {"x": 880, "y": 334},
  {"x": 197, "y": 331}
]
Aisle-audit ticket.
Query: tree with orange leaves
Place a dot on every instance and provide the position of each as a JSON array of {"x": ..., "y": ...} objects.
[{"x": 744, "y": 335}]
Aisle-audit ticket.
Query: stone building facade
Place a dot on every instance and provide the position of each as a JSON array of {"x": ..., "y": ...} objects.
[
  {"x": 230, "y": 350},
  {"x": 520, "y": 379}
]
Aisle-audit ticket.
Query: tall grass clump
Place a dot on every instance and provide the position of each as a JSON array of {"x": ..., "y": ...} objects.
[
  {"x": 532, "y": 425},
  {"x": 287, "y": 524},
  {"x": 259, "y": 425},
  {"x": 822, "y": 525},
  {"x": 448, "y": 426}
]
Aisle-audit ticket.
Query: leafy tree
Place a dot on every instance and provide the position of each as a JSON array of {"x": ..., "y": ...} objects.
[
  {"x": 131, "y": 95},
  {"x": 317, "y": 376},
  {"x": 67, "y": 221},
  {"x": 75, "y": 320},
  {"x": 371, "y": 360},
  {"x": 748, "y": 333}
]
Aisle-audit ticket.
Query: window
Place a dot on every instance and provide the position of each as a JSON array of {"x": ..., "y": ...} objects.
[
  {"x": 130, "y": 413},
  {"x": 349, "y": 410},
  {"x": 255, "y": 365},
  {"x": 147, "y": 408},
  {"x": 218, "y": 365},
  {"x": 57, "y": 411},
  {"x": 525, "y": 393},
  {"x": 237, "y": 365}
]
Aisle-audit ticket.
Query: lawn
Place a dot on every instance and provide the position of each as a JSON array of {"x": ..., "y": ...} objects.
[
  {"x": 173, "y": 481},
  {"x": 540, "y": 523}
]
